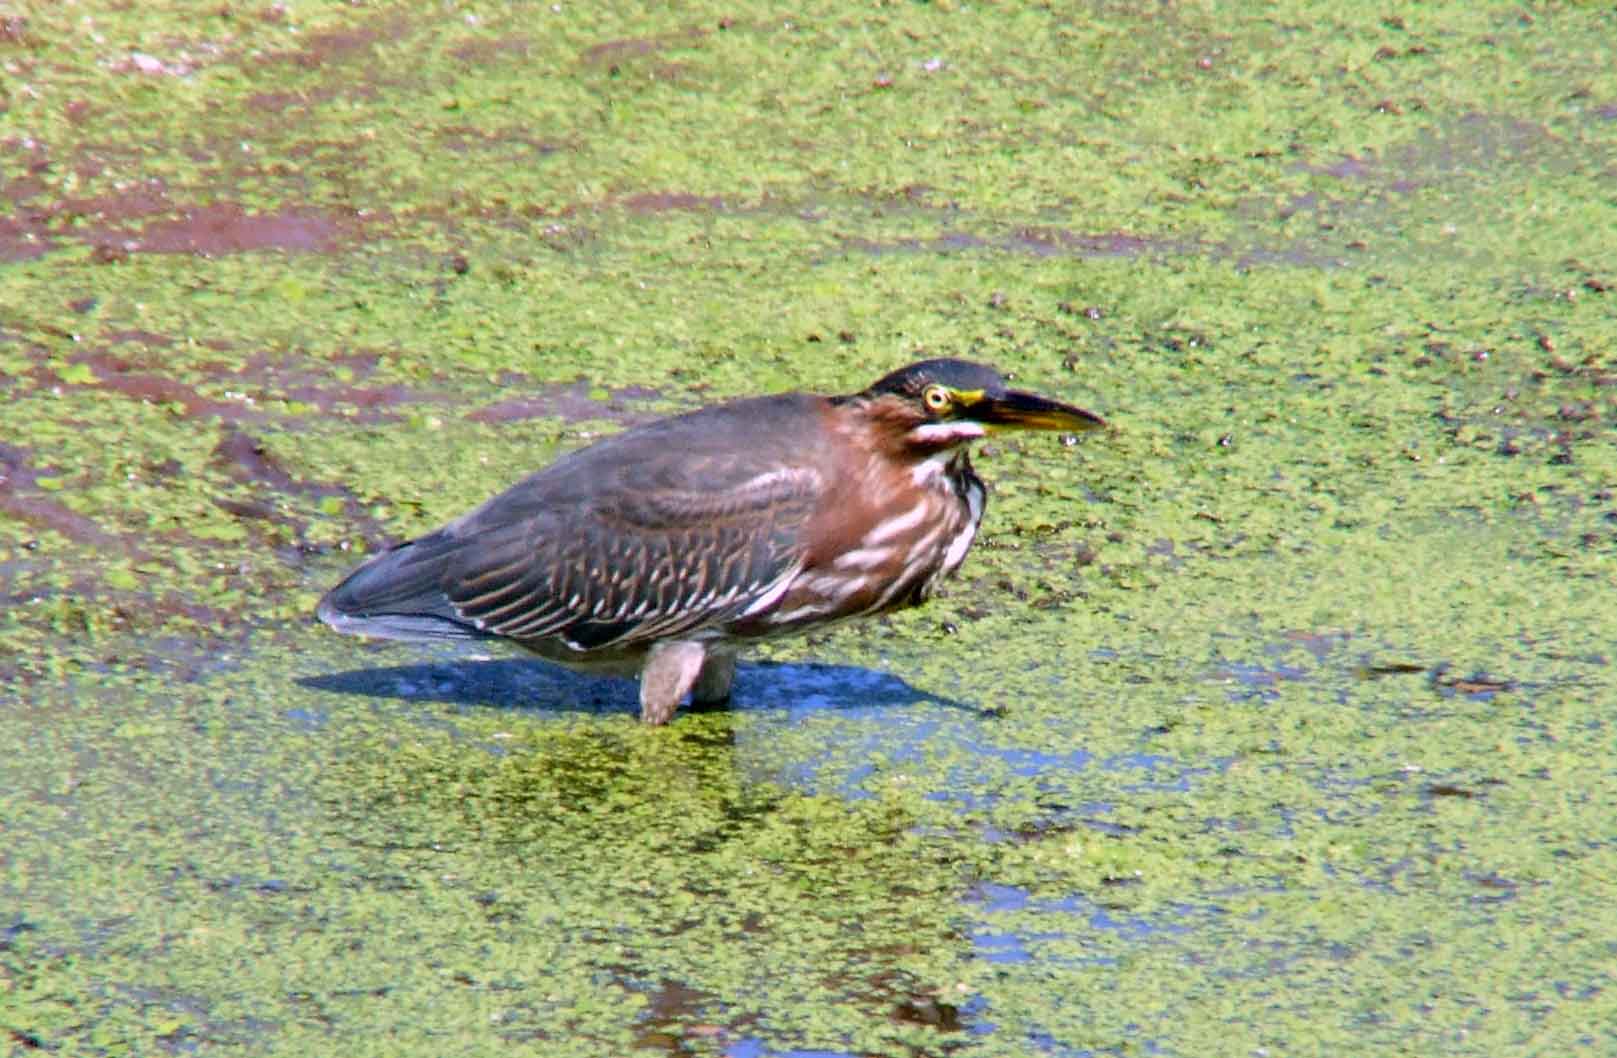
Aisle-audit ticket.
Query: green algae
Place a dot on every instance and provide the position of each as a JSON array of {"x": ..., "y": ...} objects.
[{"x": 1275, "y": 720}]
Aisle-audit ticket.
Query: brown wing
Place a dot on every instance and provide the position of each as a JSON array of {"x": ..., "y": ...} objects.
[
  {"x": 633, "y": 565},
  {"x": 666, "y": 529}
]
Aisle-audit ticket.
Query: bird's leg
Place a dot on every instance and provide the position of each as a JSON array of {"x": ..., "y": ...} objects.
[
  {"x": 671, "y": 669},
  {"x": 713, "y": 684}
]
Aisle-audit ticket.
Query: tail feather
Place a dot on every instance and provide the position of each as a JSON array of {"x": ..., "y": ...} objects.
[{"x": 398, "y": 595}]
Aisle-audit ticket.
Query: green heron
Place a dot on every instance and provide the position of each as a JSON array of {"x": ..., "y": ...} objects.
[{"x": 665, "y": 549}]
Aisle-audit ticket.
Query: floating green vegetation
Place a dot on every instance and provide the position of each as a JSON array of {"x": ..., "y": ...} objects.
[{"x": 1277, "y": 721}]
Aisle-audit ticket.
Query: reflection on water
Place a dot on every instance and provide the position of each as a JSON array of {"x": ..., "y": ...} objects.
[{"x": 754, "y": 1048}]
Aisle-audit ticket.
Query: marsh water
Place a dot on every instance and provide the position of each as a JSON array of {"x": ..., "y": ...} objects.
[{"x": 1277, "y": 721}]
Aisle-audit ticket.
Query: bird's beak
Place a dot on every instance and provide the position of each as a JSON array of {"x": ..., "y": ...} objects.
[{"x": 1029, "y": 411}]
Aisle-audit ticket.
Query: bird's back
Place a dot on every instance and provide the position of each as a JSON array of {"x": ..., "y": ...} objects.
[{"x": 672, "y": 526}]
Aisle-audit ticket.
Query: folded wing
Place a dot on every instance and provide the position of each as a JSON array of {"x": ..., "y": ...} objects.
[{"x": 645, "y": 553}]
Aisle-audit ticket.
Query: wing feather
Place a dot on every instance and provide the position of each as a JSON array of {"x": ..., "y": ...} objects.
[
  {"x": 631, "y": 566},
  {"x": 667, "y": 529}
]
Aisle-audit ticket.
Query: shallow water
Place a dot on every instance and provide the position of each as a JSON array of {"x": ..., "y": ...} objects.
[{"x": 1277, "y": 721}]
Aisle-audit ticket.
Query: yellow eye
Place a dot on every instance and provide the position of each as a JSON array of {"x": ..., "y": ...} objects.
[{"x": 936, "y": 397}]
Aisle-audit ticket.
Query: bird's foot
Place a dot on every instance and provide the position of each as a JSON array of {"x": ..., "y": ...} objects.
[
  {"x": 671, "y": 669},
  {"x": 712, "y": 685}
]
